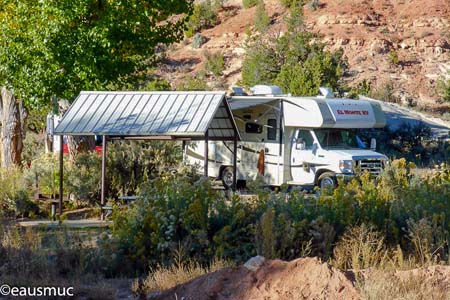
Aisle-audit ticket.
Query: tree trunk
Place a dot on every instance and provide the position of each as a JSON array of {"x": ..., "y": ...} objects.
[
  {"x": 76, "y": 144},
  {"x": 12, "y": 118}
]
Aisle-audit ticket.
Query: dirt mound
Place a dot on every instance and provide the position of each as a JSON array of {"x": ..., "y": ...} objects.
[{"x": 306, "y": 278}]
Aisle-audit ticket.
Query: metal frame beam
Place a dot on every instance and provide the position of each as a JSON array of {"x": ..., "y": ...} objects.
[
  {"x": 61, "y": 176},
  {"x": 102, "y": 196},
  {"x": 206, "y": 153}
]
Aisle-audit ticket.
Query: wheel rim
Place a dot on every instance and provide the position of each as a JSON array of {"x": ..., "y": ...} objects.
[
  {"x": 327, "y": 182},
  {"x": 227, "y": 178}
]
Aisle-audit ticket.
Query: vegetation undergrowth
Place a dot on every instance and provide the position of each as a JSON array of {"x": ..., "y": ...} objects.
[
  {"x": 394, "y": 222},
  {"x": 400, "y": 212},
  {"x": 182, "y": 270}
]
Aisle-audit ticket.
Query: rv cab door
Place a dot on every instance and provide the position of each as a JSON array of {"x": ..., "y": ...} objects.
[{"x": 302, "y": 157}]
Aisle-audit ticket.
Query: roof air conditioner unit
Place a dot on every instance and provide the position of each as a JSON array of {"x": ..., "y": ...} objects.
[
  {"x": 325, "y": 92},
  {"x": 266, "y": 90}
]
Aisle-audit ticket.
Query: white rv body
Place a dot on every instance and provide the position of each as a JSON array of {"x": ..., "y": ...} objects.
[{"x": 300, "y": 138}]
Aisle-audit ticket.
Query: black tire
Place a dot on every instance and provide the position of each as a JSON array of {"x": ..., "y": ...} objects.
[
  {"x": 227, "y": 177},
  {"x": 327, "y": 180}
]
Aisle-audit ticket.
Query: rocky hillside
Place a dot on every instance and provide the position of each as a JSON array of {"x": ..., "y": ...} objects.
[{"x": 401, "y": 45}]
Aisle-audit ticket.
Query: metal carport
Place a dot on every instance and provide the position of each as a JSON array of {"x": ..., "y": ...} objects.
[{"x": 185, "y": 116}]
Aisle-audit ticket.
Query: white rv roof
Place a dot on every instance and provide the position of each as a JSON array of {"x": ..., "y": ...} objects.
[
  {"x": 316, "y": 112},
  {"x": 332, "y": 113},
  {"x": 241, "y": 102}
]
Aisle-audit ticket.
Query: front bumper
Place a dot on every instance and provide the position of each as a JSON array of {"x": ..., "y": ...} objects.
[{"x": 346, "y": 177}]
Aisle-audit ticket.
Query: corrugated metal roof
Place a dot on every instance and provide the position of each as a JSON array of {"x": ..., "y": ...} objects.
[{"x": 147, "y": 114}]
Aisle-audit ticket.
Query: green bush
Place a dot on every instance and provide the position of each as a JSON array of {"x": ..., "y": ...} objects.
[
  {"x": 215, "y": 63},
  {"x": 10, "y": 183},
  {"x": 132, "y": 163},
  {"x": 83, "y": 178},
  {"x": 157, "y": 84},
  {"x": 33, "y": 146},
  {"x": 37, "y": 120},
  {"x": 184, "y": 211},
  {"x": 43, "y": 174},
  {"x": 412, "y": 142},
  {"x": 314, "y": 5},
  {"x": 289, "y": 3},
  {"x": 362, "y": 88},
  {"x": 129, "y": 165},
  {"x": 393, "y": 57},
  {"x": 443, "y": 89},
  {"x": 193, "y": 83},
  {"x": 198, "y": 40},
  {"x": 203, "y": 17},
  {"x": 23, "y": 205},
  {"x": 262, "y": 19},
  {"x": 386, "y": 93},
  {"x": 249, "y": 3}
]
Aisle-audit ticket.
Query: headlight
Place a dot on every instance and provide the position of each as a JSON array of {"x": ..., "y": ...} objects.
[{"x": 346, "y": 166}]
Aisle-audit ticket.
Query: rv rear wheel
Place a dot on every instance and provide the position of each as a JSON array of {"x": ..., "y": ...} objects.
[
  {"x": 327, "y": 180},
  {"x": 227, "y": 177}
]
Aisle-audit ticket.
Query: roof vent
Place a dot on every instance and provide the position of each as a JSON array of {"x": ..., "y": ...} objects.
[
  {"x": 238, "y": 91},
  {"x": 266, "y": 90},
  {"x": 325, "y": 92}
]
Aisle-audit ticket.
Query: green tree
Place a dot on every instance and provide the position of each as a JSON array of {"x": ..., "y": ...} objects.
[
  {"x": 204, "y": 16},
  {"x": 294, "y": 61},
  {"x": 447, "y": 92},
  {"x": 261, "y": 64},
  {"x": 58, "y": 48},
  {"x": 262, "y": 19},
  {"x": 443, "y": 88}
]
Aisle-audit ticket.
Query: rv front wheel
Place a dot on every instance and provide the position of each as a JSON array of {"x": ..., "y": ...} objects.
[
  {"x": 227, "y": 177},
  {"x": 327, "y": 180}
]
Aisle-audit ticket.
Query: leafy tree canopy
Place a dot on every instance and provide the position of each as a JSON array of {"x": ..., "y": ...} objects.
[{"x": 57, "y": 48}]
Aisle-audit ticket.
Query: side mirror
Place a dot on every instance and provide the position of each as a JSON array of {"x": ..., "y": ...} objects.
[
  {"x": 373, "y": 144},
  {"x": 300, "y": 144}
]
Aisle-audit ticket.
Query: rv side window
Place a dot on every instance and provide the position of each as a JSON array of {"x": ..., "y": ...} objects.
[
  {"x": 305, "y": 135},
  {"x": 272, "y": 129},
  {"x": 253, "y": 128}
]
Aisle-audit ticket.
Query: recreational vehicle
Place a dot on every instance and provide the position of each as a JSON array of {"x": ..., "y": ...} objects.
[{"x": 300, "y": 141}]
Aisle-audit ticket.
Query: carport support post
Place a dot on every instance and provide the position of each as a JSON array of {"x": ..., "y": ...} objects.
[
  {"x": 235, "y": 162},
  {"x": 61, "y": 175},
  {"x": 102, "y": 196},
  {"x": 206, "y": 154}
]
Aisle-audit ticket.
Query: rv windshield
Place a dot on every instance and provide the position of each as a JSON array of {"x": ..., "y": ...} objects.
[{"x": 338, "y": 139}]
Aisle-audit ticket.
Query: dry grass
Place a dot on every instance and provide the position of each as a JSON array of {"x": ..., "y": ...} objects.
[
  {"x": 163, "y": 278},
  {"x": 384, "y": 286},
  {"x": 360, "y": 248}
]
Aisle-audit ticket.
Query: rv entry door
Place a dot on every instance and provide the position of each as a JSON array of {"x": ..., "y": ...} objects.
[{"x": 302, "y": 157}]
